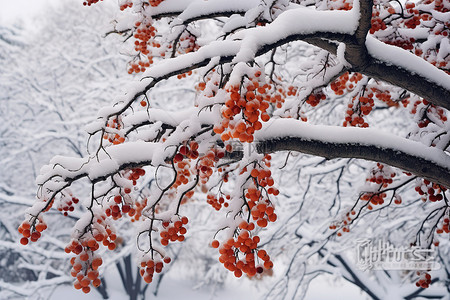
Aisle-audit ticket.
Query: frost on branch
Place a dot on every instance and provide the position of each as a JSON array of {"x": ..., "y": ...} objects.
[{"x": 269, "y": 76}]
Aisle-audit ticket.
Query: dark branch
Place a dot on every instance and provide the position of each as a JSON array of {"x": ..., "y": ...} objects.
[{"x": 394, "y": 157}]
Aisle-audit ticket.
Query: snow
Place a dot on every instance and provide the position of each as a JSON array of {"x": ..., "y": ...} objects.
[
  {"x": 214, "y": 49},
  {"x": 212, "y": 7},
  {"x": 277, "y": 129},
  {"x": 170, "y": 7},
  {"x": 399, "y": 57},
  {"x": 19, "y": 11},
  {"x": 300, "y": 21},
  {"x": 341, "y": 55},
  {"x": 173, "y": 118}
]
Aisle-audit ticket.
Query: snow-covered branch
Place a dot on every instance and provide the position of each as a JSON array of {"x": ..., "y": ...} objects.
[{"x": 337, "y": 142}]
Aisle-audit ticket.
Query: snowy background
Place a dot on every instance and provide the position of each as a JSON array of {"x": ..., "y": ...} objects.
[
  {"x": 29, "y": 15},
  {"x": 59, "y": 83}
]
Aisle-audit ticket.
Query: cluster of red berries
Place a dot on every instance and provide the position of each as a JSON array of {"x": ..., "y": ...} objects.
[
  {"x": 137, "y": 67},
  {"x": 356, "y": 110},
  {"x": 184, "y": 75},
  {"x": 383, "y": 95},
  {"x": 429, "y": 190},
  {"x": 108, "y": 239},
  {"x": 188, "y": 43},
  {"x": 173, "y": 231},
  {"x": 134, "y": 174},
  {"x": 118, "y": 207},
  {"x": 138, "y": 208},
  {"x": 344, "y": 223},
  {"x": 66, "y": 204},
  {"x": 377, "y": 23},
  {"x": 246, "y": 246},
  {"x": 315, "y": 98},
  {"x": 263, "y": 177},
  {"x": 261, "y": 209},
  {"x": 436, "y": 111},
  {"x": 415, "y": 106},
  {"x": 424, "y": 279},
  {"x": 126, "y": 4},
  {"x": 183, "y": 173},
  {"x": 144, "y": 36},
  {"x": 246, "y": 107},
  {"x": 185, "y": 153},
  {"x": 155, "y": 3},
  {"x": 426, "y": 109},
  {"x": 149, "y": 267},
  {"x": 28, "y": 232},
  {"x": 114, "y": 138},
  {"x": 206, "y": 163},
  {"x": 217, "y": 202},
  {"x": 345, "y": 82},
  {"x": 382, "y": 176},
  {"x": 90, "y": 2},
  {"x": 122, "y": 203},
  {"x": 358, "y": 107},
  {"x": 85, "y": 264},
  {"x": 292, "y": 90},
  {"x": 414, "y": 20},
  {"x": 407, "y": 44},
  {"x": 373, "y": 198},
  {"x": 189, "y": 150},
  {"x": 445, "y": 226}
]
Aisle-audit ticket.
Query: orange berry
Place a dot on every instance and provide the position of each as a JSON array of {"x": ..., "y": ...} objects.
[
  {"x": 112, "y": 246},
  {"x": 262, "y": 223},
  {"x": 97, "y": 262},
  {"x": 238, "y": 273},
  {"x": 40, "y": 227},
  {"x": 268, "y": 264},
  {"x": 77, "y": 285},
  {"x": 272, "y": 217},
  {"x": 92, "y": 275},
  {"x": 96, "y": 282},
  {"x": 215, "y": 244},
  {"x": 77, "y": 267},
  {"x": 85, "y": 282},
  {"x": 148, "y": 278},
  {"x": 84, "y": 257}
]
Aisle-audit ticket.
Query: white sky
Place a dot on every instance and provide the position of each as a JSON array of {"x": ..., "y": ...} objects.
[{"x": 24, "y": 10}]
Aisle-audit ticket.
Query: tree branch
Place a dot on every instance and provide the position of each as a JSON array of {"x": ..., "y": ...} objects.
[{"x": 340, "y": 142}]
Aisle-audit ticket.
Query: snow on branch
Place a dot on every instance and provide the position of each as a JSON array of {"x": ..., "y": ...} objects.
[
  {"x": 404, "y": 69},
  {"x": 370, "y": 144},
  {"x": 277, "y": 135}
]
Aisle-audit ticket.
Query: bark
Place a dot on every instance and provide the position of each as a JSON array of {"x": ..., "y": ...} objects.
[{"x": 419, "y": 166}]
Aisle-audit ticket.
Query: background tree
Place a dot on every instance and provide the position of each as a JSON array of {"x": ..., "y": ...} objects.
[
  {"x": 42, "y": 109},
  {"x": 261, "y": 90}
]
